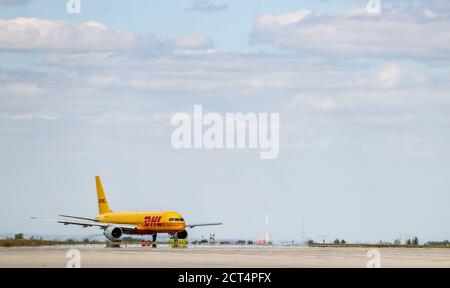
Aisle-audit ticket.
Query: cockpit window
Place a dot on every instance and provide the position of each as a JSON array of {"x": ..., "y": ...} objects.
[{"x": 176, "y": 220}]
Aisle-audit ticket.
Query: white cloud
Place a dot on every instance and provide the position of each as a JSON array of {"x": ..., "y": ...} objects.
[
  {"x": 355, "y": 34},
  {"x": 21, "y": 89},
  {"x": 102, "y": 80},
  {"x": 430, "y": 14},
  {"x": 205, "y": 6},
  {"x": 313, "y": 103},
  {"x": 31, "y": 34},
  {"x": 192, "y": 44},
  {"x": 283, "y": 19},
  {"x": 392, "y": 75},
  {"x": 218, "y": 76},
  {"x": 41, "y": 34},
  {"x": 111, "y": 89}
]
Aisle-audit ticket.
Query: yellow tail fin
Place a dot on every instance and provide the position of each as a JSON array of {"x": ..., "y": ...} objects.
[{"x": 103, "y": 207}]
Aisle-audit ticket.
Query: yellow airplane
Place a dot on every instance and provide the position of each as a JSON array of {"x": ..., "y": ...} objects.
[{"x": 117, "y": 224}]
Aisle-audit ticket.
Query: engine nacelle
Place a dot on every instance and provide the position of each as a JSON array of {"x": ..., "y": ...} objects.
[
  {"x": 182, "y": 235},
  {"x": 113, "y": 233}
]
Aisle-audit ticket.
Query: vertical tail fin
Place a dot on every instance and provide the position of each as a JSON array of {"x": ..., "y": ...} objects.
[{"x": 103, "y": 207}]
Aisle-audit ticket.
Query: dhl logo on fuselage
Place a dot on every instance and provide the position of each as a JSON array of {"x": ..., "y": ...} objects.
[{"x": 152, "y": 221}]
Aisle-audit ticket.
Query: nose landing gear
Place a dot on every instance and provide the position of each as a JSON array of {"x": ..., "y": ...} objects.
[{"x": 179, "y": 240}]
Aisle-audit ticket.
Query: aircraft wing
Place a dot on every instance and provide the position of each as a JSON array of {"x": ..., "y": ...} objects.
[
  {"x": 85, "y": 223},
  {"x": 202, "y": 224},
  {"x": 79, "y": 218}
]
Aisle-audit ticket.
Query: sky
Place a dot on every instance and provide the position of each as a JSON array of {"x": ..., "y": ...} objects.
[{"x": 363, "y": 99}]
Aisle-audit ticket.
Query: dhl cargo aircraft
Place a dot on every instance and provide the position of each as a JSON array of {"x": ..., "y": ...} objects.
[{"x": 116, "y": 224}]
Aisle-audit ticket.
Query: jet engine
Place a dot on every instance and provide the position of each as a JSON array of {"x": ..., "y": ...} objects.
[
  {"x": 182, "y": 235},
  {"x": 113, "y": 233}
]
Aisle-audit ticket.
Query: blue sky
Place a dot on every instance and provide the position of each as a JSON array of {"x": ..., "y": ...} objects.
[{"x": 363, "y": 102}]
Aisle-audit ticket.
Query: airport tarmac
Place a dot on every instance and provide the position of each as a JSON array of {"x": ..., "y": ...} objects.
[{"x": 222, "y": 257}]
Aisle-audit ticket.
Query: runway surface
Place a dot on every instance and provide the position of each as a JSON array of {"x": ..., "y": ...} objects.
[{"x": 222, "y": 257}]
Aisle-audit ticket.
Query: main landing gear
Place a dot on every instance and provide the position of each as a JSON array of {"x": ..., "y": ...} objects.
[{"x": 146, "y": 243}]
